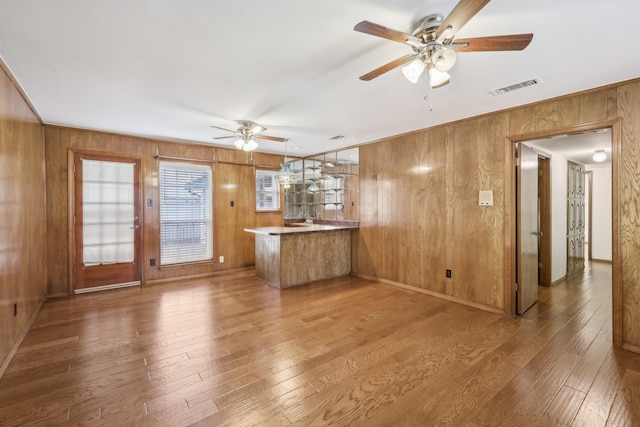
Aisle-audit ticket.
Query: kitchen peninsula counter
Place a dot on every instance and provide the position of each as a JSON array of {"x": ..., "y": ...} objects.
[{"x": 302, "y": 253}]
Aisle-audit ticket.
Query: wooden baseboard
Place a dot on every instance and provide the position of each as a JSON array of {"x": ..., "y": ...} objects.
[
  {"x": 630, "y": 347},
  {"x": 23, "y": 334},
  {"x": 58, "y": 295},
  {"x": 435, "y": 294},
  {"x": 555, "y": 282},
  {"x": 201, "y": 276},
  {"x": 606, "y": 261}
]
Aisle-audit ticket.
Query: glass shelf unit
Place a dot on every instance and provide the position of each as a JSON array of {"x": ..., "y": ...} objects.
[{"x": 327, "y": 187}]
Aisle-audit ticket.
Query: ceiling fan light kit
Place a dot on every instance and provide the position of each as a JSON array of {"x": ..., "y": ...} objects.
[
  {"x": 438, "y": 78},
  {"x": 444, "y": 59},
  {"x": 413, "y": 70},
  {"x": 247, "y": 134},
  {"x": 434, "y": 45}
]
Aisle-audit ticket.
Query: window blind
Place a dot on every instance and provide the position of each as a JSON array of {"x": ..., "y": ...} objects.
[
  {"x": 267, "y": 191},
  {"x": 186, "y": 233}
]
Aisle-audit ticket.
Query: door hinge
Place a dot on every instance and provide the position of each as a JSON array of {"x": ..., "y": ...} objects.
[
  {"x": 518, "y": 162},
  {"x": 516, "y": 286},
  {"x": 74, "y": 219},
  {"x": 540, "y": 265}
]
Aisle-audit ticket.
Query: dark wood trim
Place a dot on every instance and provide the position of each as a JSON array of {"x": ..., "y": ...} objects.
[
  {"x": 616, "y": 271},
  {"x": 589, "y": 182}
]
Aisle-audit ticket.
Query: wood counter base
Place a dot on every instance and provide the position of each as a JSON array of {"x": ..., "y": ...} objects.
[{"x": 290, "y": 259}]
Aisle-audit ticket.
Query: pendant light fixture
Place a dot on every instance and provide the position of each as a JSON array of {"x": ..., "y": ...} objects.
[
  {"x": 285, "y": 176},
  {"x": 313, "y": 187}
]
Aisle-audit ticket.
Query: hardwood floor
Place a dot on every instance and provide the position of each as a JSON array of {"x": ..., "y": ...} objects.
[{"x": 232, "y": 351}]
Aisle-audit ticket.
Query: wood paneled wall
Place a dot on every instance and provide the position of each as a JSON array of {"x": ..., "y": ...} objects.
[
  {"x": 231, "y": 182},
  {"x": 419, "y": 211},
  {"x": 22, "y": 216}
]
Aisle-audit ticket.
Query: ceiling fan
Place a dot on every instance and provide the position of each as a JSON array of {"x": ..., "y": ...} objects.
[
  {"x": 434, "y": 44},
  {"x": 247, "y": 134}
]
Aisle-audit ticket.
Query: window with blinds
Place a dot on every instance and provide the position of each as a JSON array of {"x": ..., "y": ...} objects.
[
  {"x": 267, "y": 191},
  {"x": 186, "y": 233}
]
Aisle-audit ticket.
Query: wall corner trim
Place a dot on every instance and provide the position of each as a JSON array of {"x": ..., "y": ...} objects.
[
  {"x": 26, "y": 99},
  {"x": 14, "y": 349}
]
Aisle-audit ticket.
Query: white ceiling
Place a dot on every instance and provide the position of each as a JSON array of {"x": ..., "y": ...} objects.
[
  {"x": 171, "y": 68},
  {"x": 578, "y": 148}
]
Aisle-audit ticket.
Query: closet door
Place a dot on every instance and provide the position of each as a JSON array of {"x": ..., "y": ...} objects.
[{"x": 575, "y": 217}]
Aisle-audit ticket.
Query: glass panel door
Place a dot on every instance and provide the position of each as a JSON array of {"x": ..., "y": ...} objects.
[
  {"x": 107, "y": 222},
  {"x": 107, "y": 212}
]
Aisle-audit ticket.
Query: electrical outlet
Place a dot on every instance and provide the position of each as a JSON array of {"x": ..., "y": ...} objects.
[
  {"x": 152, "y": 262},
  {"x": 448, "y": 274},
  {"x": 221, "y": 259}
]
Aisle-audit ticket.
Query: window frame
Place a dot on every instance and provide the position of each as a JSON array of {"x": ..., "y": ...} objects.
[{"x": 275, "y": 207}]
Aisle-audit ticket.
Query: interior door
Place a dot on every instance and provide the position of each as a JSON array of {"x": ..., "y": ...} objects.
[
  {"x": 575, "y": 217},
  {"x": 544, "y": 221},
  {"x": 527, "y": 232},
  {"x": 106, "y": 222}
]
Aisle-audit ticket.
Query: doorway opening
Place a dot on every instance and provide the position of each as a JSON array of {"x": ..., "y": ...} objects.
[
  {"x": 557, "y": 210},
  {"x": 571, "y": 164}
]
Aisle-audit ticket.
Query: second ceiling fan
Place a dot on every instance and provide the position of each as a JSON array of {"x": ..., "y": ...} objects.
[{"x": 434, "y": 44}]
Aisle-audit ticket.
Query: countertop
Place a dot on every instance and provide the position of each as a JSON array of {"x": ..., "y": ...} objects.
[{"x": 297, "y": 229}]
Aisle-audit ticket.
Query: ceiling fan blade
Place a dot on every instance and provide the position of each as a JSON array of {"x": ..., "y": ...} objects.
[
  {"x": 460, "y": 15},
  {"x": 387, "y": 67},
  {"x": 270, "y": 138},
  {"x": 386, "y": 33},
  {"x": 228, "y": 130},
  {"x": 226, "y": 137},
  {"x": 494, "y": 43}
]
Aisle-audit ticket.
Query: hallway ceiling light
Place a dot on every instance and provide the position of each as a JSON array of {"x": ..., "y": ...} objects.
[{"x": 599, "y": 156}]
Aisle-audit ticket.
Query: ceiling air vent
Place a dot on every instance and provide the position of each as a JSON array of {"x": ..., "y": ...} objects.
[{"x": 511, "y": 88}]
